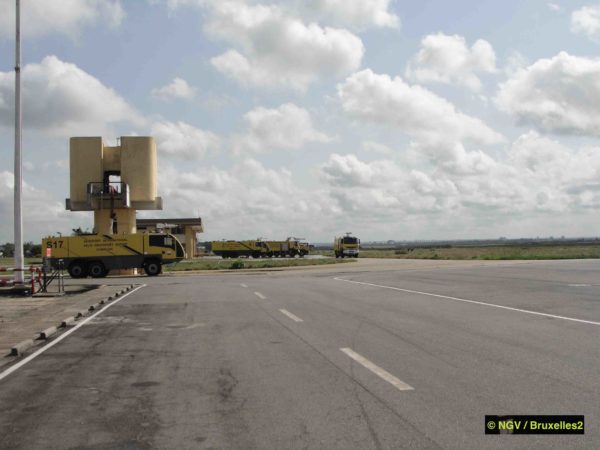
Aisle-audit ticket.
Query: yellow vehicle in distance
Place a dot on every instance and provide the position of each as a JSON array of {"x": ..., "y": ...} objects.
[
  {"x": 234, "y": 249},
  {"x": 291, "y": 248},
  {"x": 258, "y": 248},
  {"x": 304, "y": 248},
  {"x": 97, "y": 254},
  {"x": 346, "y": 246}
]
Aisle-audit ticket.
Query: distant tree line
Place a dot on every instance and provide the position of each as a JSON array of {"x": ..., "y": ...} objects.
[{"x": 29, "y": 249}]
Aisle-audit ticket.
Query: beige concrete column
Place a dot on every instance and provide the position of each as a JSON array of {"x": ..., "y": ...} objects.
[
  {"x": 102, "y": 221},
  {"x": 190, "y": 242},
  {"x": 126, "y": 221}
]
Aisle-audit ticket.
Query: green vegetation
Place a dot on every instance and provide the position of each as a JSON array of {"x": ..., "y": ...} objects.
[
  {"x": 29, "y": 249},
  {"x": 9, "y": 262},
  {"x": 226, "y": 264},
  {"x": 493, "y": 252}
]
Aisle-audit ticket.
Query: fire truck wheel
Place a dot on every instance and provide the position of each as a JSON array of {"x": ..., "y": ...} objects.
[
  {"x": 97, "y": 270},
  {"x": 152, "y": 267},
  {"x": 77, "y": 269}
]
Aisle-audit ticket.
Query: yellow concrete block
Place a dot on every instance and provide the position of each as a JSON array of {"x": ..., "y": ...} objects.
[
  {"x": 86, "y": 155},
  {"x": 139, "y": 167}
]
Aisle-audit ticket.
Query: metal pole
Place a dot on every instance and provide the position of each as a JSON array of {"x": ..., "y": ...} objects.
[{"x": 18, "y": 220}]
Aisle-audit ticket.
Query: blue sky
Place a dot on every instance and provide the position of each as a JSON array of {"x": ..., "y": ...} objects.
[{"x": 392, "y": 119}]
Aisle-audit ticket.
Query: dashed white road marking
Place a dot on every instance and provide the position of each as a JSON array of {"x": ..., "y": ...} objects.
[
  {"x": 20, "y": 364},
  {"x": 243, "y": 285},
  {"x": 259, "y": 295},
  {"x": 382, "y": 373},
  {"x": 456, "y": 299},
  {"x": 294, "y": 317},
  {"x": 579, "y": 285}
]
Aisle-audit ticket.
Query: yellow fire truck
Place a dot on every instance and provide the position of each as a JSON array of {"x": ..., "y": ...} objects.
[
  {"x": 346, "y": 246},
  {"x": 234, "y": 249},
  {"x": 258, "y": 248},
  {"x": 291, "y": 247},
  {"x": 97, "y": 254}
]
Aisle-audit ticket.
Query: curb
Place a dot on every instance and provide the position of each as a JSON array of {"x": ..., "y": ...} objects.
[
  {"x": 23, "y": 346},
  {"x": 67, "y": 322},
  {"x": 48, "y": 332}
]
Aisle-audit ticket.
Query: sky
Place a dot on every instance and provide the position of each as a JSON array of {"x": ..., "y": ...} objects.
[{"x": 391, "y": 119}]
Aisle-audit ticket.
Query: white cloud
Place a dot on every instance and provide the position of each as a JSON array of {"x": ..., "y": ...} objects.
[
  {"x": 453, "y": 157},
  {"x": 561, "y": 95},
  {"x": 177, "y": 89},
  {"x": 287, "y": 127},
  {"x": 377, "y": 147},
  {"x": 275, "y": 49},
  {"x": 42, "y": 214},
  {"x": 184, "y": 141},
  {"x": 175, "y": 4},
  {"x": 540, "y": 178},
  {"x": 586, "y": 20},
  {"x": 554, "y": 163},
  {"x": 515, "y": 62},
  {"x": 556, "y": 178},
  {"x": 448, "y": 59},
  {"x": 69, "y": 17},
  {"x": 413, "y": 110},
  {"x": 63, "y": 100},
  {"x": 553, "y": 7},
  {"x": 349, "y": 171},
  {"x": 356, "y": 14},
  {"x": 381, "y": 189},
  {"x": 245, "y": 202}
]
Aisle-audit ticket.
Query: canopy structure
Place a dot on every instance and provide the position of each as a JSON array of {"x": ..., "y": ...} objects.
[{"x": 184, "y": 229}]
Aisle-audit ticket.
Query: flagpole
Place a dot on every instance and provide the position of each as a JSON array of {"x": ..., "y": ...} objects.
[{"x": 18, "y": 175}]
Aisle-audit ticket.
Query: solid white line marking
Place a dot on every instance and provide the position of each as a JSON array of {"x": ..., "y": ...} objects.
[
  {"x": 20, "y": 364},
  {"x": 492, "y": 305},
  {"x": 259, "y": 295},
  {"x": 294, "y": 317},
  {"x": 243, "y": 285},
  {"x": 397, "y": 383}
]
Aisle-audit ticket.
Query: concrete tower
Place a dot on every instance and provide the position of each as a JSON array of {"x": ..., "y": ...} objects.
[{"x": 113, "y": 182}]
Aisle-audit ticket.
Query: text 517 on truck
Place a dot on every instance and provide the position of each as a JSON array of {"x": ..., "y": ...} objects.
[{"x": 97, "y": 254}]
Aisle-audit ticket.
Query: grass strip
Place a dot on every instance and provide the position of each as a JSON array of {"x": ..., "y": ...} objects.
[
  {"x": 486, "y": 253},
  {"x": 236, "y": 264}
]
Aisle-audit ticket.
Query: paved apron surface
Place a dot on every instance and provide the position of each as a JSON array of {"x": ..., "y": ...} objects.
[{"x": 406, "y": 358}]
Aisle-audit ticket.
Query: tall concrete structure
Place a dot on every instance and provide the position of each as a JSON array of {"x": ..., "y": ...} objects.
[{"x": 113, "y": 182}]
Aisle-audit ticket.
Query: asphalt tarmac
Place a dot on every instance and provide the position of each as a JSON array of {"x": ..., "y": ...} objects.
[{"x": 375, "y": 354}]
